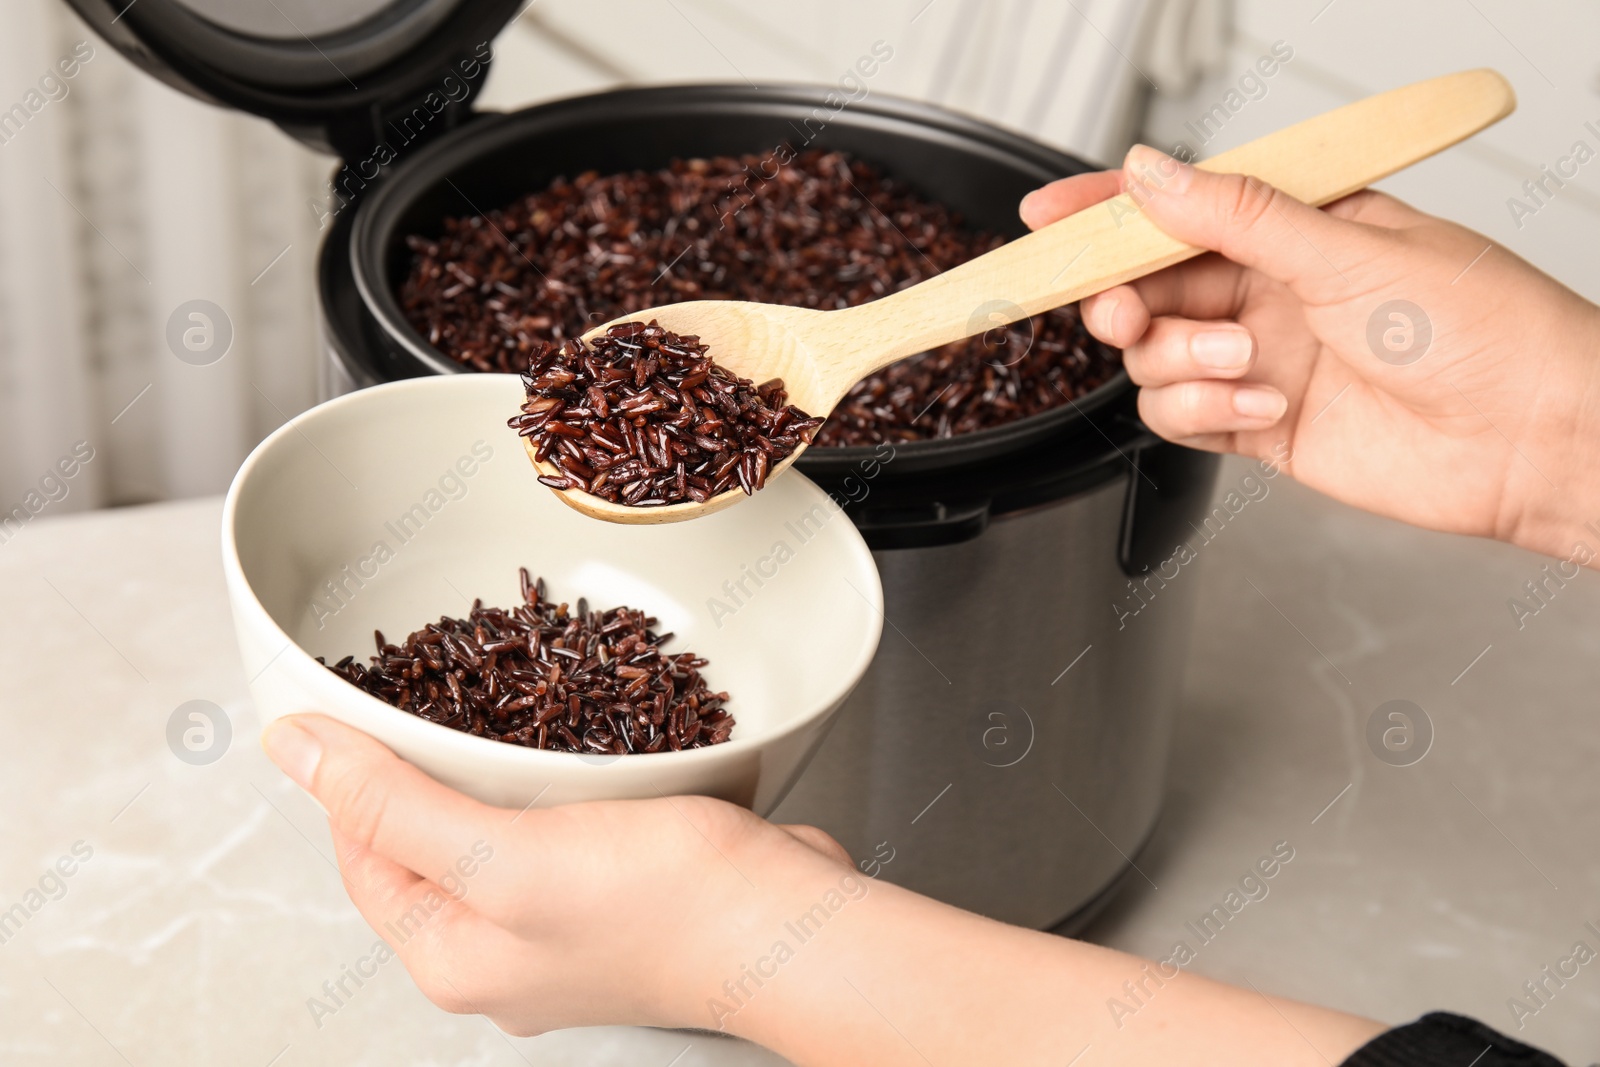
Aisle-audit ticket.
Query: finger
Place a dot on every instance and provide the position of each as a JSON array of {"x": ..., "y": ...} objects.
[
  {"x": 1225, "y": 443},
  {"x": 376, "y": 799},
  {"x": 1179, "y": 350},
  {"x": 370, "y": 878},
  {"x": 818, "y": 841},
  {"x": 1372, "y": 208},
  {"x": 1251, "y": 223},
  {"x": 1187, "y": 410},
  {"x": 1209, "y": 287},
  {"x": 1212, "y": 287},
  {"x": 438, "y": 938},
  {"x": 1068, "y": 196}
]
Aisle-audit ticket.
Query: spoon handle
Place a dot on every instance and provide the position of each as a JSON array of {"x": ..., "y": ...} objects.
[{"x": 1316, "y": 161}]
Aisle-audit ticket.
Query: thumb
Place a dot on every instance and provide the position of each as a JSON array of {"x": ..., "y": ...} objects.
[
  {"x": 1249, "y": 222},
  {"x": 818, "y": 840},
  {"x": 374, "y": 798}
]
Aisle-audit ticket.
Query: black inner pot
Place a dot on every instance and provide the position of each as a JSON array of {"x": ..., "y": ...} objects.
[{"x": 975, "y": 168}]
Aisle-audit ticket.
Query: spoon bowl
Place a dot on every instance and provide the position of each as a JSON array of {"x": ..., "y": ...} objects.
[
  {"x": 820, "y": 355},
  {"x": 751, "y": 340}
]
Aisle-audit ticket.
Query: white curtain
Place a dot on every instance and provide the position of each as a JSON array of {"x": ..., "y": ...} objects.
[
  {"x": 122, "y": 202},
  {"x": 1072, "y": 72}
]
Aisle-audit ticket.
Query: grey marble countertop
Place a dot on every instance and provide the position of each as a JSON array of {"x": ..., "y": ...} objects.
[{"x": 202, "y": 909}]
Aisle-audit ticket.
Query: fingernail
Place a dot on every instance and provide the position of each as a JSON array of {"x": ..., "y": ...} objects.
[
  {"x": 294, "y": 749},
  {"x": 1031, "y": 198},
  {"x": 1224, "y": 349},
  {"x": 1105, "y": 313},
  {"x": 1260, "y": 402},
  {"x": 1154, "y": 170}
]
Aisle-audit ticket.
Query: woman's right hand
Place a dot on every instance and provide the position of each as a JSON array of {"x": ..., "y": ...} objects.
[{"x": 1392, "y": 360}]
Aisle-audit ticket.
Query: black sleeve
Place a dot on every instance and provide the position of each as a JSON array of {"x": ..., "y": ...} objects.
[{"x": 1441, "y": 1040}]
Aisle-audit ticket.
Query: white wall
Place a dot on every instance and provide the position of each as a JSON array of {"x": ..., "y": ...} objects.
[
  {"x": 1069, "y": 73},
  {"x": 1346, "y": 49}
]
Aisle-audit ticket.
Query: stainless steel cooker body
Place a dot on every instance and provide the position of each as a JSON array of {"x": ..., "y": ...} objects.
[{"x": 1006, "y": 750}]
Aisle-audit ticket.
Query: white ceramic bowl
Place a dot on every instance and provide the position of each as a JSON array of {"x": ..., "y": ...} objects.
[{"x": 392, "y": 506}]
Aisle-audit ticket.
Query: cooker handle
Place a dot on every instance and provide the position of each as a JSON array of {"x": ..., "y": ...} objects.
[
  {"x": 921, "y": 526},
  {"x": 1168, "y": 491}
]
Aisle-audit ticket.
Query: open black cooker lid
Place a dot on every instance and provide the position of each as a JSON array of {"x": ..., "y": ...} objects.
[{"x": 337, "y": 75}]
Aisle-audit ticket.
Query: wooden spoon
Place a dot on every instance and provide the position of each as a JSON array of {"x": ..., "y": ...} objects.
[{"x": 820, "y": 355}]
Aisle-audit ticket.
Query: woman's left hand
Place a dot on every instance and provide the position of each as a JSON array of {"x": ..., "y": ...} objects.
[
  {"x": 580, "y": 915},
  {"x": 690, "y": 912}
]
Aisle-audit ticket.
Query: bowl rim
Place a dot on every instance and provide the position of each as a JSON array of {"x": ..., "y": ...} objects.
[{"x": 318, "y": 681}]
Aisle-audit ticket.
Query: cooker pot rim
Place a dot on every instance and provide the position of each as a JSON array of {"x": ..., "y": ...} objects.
[{"x": 374, "y": 225}]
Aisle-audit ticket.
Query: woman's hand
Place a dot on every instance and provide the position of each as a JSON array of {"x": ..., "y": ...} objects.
[
  {"x": 1392, "y": 360},
  {"x": 689, "y": 912},
  {"x": 581, "y": 915}
]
